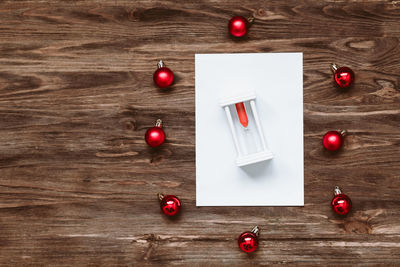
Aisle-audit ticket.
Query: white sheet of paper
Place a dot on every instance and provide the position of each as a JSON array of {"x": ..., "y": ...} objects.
[{"x": 277, "y": 79}]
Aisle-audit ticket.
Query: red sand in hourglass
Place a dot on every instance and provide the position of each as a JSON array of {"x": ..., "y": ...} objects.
[{"x": 241, "y": 111}]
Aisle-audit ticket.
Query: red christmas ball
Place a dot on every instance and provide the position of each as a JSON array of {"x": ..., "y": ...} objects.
[
  {"x": 170, "y": 204},
  {"x": 248, "y": 241},
  {"x": 333, "y": 140},
  {"x": 344, "y": 76},
  {"x": 155, "y": 136},
  {"x": 341, "y": 204},
  {"x": 163, "y": 76},
  {"x": 238, "y": 26}
]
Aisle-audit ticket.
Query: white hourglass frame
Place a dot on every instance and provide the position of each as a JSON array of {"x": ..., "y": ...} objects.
[{"x": 262, "y": 152}]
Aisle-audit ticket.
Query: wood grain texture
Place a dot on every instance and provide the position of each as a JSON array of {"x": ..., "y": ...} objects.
[{"x": 78, "y": 184}]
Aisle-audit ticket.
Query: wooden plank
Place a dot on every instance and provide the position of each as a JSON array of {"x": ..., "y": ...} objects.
[{"x": 78, "y": 183}]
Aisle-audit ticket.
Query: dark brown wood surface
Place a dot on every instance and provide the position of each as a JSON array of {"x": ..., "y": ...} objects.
[{"x": 78, "y": 184}]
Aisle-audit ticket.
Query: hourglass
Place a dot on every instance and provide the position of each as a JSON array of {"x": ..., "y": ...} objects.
[{"x": 246, "y": 129}]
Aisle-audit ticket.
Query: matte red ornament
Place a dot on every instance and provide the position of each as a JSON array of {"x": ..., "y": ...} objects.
[
  {"x": 163, "y": 76},
  {"x": 170, "y": 204},
  {"x": 248, "y": 241},
  {"x": 155, "y": 136},
  {"x": 344, "y": 76},
  {"x": 333, "y": 140},
  {"x": 238, "y": 25},
  {"x": 341, "y": 204}
]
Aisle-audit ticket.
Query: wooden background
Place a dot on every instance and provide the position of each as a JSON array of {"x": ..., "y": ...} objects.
[{"x": 78, "y": 183}]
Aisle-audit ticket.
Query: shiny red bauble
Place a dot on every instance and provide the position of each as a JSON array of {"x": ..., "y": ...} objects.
[
  {"x": 163, "y": 76},
  {"x": 155, "y": 136},
  {"x": 341, "y": 204},
  {"x": 333, "y": 140},
  {"x": 170, "y": 204},
  {"x": 344, "y": 76},
  {"x": 238, "y": 26},
  {"x": 248, "y": 241}
]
